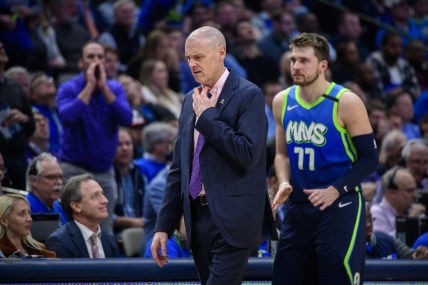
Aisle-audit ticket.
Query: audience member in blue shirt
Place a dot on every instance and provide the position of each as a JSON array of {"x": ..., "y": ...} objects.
[
  {"x": 158, "y": 139},
  {"x": 383, "y": 246},
  {"x": 92, "y": 108},
  {"x": 130, "y": 185},
  {"x": 44, "y": 184}
]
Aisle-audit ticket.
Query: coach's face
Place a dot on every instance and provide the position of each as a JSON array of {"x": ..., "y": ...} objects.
[{"x": 205, "y": 59}]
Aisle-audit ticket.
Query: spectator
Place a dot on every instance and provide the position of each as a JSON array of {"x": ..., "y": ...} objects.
[
  {"x": 226, "y": 17},
  {"x": 15, "y": 222},
  {"x": 112, "y": 63},
  {"x": 158, "y": 139},
  {"x": 84, "y": 203},
  {"x": 130, "y": 185},
  {"x": 43, "y": 98},
  {"x": 150, "y": 112},
  {"x": 283, "y": 30},
  {"x": 39, "y": 140},
  {"x": 414, "y": 53},
  {"x": 400, "y": 20},
  {"x": 415, "y": 158},
  {"x": 262, "y": 21},
  {"x": 270, "y": 89},
  {"x": 20, "y": 76},
  {"x": 421, "y": 240},
  {"x": 382, "y": 246},
  {"x": 308, "y": 22},
  {"x": 123, "y": 35},
  {"x": 348, "y": 57},
  {"x": 399, "y": 188},
  {"x": 420, "y": 18},
  {"x": 17, "y": 125},
  {"x": 154, "y": 76},
  {"x": 14, "y": 32},
  {"x": 176, "y": 40},
  {"x": 390, "y": 150},
  {"x": 44, "y": 186},
  {"x": 349, "y": 30},
  {"x": 377, "y": 112},
  {"x": 421, "y": 106},
  {"x": 365, "y": 76},
  {"x": 70, "y": 35},
  {"x": 259, "y": 67},
  {"x": 91, "y": 109},
  {"x": 392, "y": 70},
  {"x": 284, "y": 68},
  {"x": 399, "y": 102},
  {"x": 156, "y": 47}
]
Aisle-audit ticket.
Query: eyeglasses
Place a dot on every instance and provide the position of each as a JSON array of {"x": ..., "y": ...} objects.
[
  {"x": 41, "y": 120},
  {"x": 44, "y": 81},
  {"x": 52, "y": 177}
]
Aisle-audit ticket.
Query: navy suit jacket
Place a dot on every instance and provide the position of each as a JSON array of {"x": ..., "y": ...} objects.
[
  {"x": 68, "y": 241},
  {"x": 233, "y": 166}
]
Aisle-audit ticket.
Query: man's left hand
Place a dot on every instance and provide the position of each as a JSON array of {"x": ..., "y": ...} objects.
[{"x": 322, "y": 197}]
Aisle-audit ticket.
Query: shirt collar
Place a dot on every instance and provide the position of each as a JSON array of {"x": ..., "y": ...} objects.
[{"x": 86, "y": 232}]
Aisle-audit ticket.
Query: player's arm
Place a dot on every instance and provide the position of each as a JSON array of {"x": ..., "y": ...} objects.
[
  {"x": 282, "y": 162},
  {"x": 352, "y": 115}
]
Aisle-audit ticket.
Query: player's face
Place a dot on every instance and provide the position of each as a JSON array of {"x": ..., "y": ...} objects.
[{"x": 305, "y": 66}]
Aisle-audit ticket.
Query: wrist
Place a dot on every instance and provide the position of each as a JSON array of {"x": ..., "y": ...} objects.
[{"x": 283, "y": 184}]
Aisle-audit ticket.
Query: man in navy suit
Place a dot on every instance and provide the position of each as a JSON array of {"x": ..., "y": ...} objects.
[
  {"x": 84, "y": 203},
  {"x": 229, "y": 213}
]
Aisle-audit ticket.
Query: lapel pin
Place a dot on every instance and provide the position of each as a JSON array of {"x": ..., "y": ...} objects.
[{"x": 221, "y": 102}]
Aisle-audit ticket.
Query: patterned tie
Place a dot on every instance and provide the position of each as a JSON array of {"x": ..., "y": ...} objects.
[
  {"x": 195, "y": 186},
  {"x": 94, "y": 245}
]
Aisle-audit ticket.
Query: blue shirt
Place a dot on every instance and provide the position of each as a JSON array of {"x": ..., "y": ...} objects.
[
  {"x": 149, "y": 167},
  {"x": 37, "y": 206},
  {"x": 55, "y": 126},
  {"x": 90, "y": 132}
]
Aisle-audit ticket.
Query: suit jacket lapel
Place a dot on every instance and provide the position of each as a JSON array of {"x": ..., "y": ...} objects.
[
  {"x": 106, "y": 245},
  {"x": 228, "y": 91},
  {"x": 77, "y": 239}
]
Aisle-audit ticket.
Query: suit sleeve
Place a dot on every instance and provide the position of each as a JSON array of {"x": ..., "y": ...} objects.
[
  {"x": 172, "y": 204},
  {"x": 56, "y": 244},
  {"x": 243, "y": 138}
]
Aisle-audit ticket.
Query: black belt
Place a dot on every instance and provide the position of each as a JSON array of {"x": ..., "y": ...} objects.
[{"x": 202, "y": 199}]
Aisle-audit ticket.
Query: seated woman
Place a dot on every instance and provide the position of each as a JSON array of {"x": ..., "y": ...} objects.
[{"x": 15, "y": 222}]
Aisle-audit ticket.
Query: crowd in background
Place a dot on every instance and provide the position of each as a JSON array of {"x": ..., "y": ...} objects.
[{"x": 378, "y": 49}]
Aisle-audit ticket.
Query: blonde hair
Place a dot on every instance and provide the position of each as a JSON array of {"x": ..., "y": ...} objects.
[{"x": 7, "y": 203}]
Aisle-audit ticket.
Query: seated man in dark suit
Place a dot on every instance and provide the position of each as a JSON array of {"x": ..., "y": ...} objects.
[{"x": 86, "y": 207}]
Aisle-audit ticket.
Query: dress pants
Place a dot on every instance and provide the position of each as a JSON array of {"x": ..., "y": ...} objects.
[{"x": 217, "y": 261}]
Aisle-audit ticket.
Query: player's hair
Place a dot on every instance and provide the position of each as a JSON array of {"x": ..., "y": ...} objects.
[{"x": 318, "y": 42}]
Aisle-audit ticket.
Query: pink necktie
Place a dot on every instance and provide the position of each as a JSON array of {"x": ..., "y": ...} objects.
[{"x": 94, "y": 246}]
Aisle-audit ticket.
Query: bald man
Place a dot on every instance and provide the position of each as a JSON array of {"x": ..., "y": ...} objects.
[{"x": 217, "y": 177}]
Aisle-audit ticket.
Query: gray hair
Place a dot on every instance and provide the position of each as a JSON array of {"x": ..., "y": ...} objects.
[
  {"x": 410, "y": 146},
  {"x": 34, "y": 168},
  {"x": 209, "y": 34},
  {"x": 157, "y": 132},
  {"x": 118, "y": 4},
  {"x": 72, "y": 192},
  {"x": 16, "y": 70}
]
